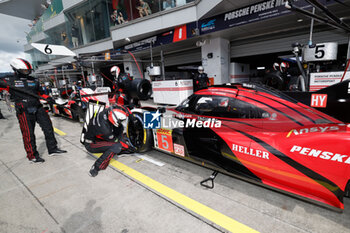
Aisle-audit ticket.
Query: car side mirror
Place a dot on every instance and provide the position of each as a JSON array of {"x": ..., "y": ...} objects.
[{"x": 265, "y": 115}]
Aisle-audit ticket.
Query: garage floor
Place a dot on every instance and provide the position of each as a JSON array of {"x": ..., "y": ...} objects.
[{"x": 60, "y": 196}]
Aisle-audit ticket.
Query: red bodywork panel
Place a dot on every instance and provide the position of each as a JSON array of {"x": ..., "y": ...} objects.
[{"x": 295, "y": 148}]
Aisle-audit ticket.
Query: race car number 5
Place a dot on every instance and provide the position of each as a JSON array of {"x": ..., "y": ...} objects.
[{"x": 165, "y": 142}]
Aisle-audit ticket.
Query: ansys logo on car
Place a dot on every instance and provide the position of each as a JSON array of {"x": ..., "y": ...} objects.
[{"x": 155, "y": 120}]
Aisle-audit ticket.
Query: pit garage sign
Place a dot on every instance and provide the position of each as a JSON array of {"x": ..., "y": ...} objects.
[
  {"x": 58, "y": 50},
  {"x": 321, "y": 52},
  {"x": 324, "y": 79}
]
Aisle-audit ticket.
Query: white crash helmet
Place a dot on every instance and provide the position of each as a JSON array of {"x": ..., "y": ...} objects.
[
  {"x": 276, "y": 66},
  {"x": 200, "y": 69},
  {"x": 115, "y": 70},
  {"x": 117, "y": 114},
  {"x": 21, "y": 66},
  {"x": 284, "y": 66}
]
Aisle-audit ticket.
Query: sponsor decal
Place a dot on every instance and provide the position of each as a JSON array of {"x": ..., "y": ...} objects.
[
  {"x": 19, "y": 84},
  {"x": 191, "y": 123},
  {"x": 208, "y": 25},
  {"x": 139, "y": 44},
  {"x": 153, "y": 120},
  {"x": 318, "y": 129},
  {"x": 179, "y": 150},
  {"x": 319, "y": 100},
  {"x": 165, "y": 140},
  {"x": 250, "y": 151},
  {"x": 180, "y": 33},
  {"x": 253, "y": 9},
  {"x": 326, "y": 155}
]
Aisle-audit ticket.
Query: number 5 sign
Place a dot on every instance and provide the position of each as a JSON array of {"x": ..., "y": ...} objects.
[
  {"x": 165, "y": 140},
  {"x": 321, "y": 52},
  {"x": 48, "y": 49}
]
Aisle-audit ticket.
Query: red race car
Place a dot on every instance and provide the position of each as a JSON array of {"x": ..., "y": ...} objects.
[{"x": 256, "y": 133}]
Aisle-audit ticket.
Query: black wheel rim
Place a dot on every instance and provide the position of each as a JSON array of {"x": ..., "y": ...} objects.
[{"x": 136, "y": 133}]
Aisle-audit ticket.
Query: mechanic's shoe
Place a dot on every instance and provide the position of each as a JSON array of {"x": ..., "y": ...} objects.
[
  {"x": 56, "y": 152},
  {"x": 93, "y": 171},
  {"x": 37, "y": 159}
]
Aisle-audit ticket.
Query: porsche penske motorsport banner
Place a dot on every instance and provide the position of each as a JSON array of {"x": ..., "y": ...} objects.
[{"x": 250, "y": 14}]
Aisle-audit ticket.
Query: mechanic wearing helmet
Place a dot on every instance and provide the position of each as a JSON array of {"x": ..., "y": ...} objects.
[
  {"x": 29, "y": 110},
  {"x": 122, "y": 81},
  {"x": 105, "y": 135},
  {"x": 201, "y": 80}
]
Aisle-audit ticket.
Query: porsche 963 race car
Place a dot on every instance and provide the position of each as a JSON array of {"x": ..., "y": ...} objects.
[{"x": 256, "y": 133}]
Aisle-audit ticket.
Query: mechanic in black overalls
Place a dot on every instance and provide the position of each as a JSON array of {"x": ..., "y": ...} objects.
[
  {"x": 122, "y": 83},
  {"x": 105, "y": 135},
  {"x": 200, "y": 80},
  {"x": 29, "y": 110}
]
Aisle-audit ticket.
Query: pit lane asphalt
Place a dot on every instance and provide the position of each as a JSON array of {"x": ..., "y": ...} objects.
[{"x": 60, "y": 196}]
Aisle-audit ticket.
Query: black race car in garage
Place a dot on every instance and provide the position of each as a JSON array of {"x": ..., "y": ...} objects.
[{"x": 256, "y": 133}]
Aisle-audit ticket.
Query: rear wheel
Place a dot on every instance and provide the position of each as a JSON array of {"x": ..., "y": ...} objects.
[{"x": 139, "y": 137}]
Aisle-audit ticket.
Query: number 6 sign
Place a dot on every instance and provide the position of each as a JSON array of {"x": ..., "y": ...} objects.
[{"x": 48, "y": 49}]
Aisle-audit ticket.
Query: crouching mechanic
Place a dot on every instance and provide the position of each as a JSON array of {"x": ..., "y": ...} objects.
[
  {"x": 25, "y": 91},
  {"x": 105, "y": 135}
]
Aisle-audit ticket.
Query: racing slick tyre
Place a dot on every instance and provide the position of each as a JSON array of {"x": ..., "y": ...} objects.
[
  {"x": 140, "y": 137},
  {"x": 347, "y": 190}
]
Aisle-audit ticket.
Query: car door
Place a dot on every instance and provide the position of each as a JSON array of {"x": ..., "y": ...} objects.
[{"x": 219, "y": 145}]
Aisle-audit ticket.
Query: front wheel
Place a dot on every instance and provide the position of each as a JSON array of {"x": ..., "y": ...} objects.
[{"x": 139, "y": 137}]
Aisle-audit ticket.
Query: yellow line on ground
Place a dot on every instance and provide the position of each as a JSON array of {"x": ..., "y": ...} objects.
[
  {"x": 59, "y": 132},
  {"x": 198, "y": 208}
]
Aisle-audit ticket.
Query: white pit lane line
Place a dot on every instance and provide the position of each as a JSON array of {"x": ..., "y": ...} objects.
[{"x": 151, "y": 160}]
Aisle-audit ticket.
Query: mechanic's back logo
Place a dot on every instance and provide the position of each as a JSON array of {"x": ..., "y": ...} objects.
[{"x": 151, "y": 120}]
